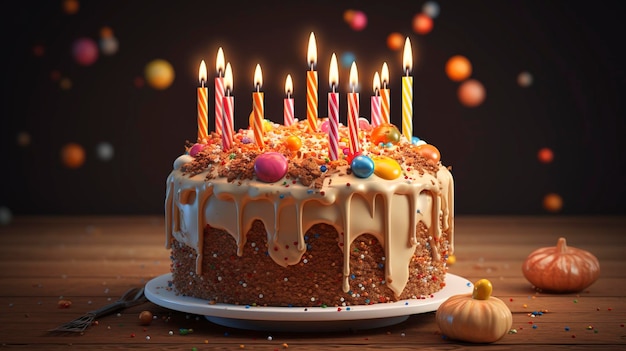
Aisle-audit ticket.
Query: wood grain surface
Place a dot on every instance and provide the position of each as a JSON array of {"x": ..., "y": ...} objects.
[{"x": 91, "y": 261}]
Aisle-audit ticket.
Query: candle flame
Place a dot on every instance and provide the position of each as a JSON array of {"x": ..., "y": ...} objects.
[
  {"x": 258, "y": 77},
  {"x": 333, "y": 74},
  {"x": 376, "y": 83},
  {"x": 228, "y": 78},
  {"x": 354, "y": 76},
  {"x": 202, "y": 73},
  {"x": 384, "y": 74},
  {"x": 407, "y": 57},
  {"x": 219, "y": 62},
  {"x": 288, "y": 85},
  {"x": 312, "y": 51}
]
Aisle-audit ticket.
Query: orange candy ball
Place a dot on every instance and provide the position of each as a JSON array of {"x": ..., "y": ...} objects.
[
  {"x": 471, "y": 93},
  {"x": 422, "y": 24},
  {"x": 429, "y": 152},
  {"x": 293, "y": 143},
  {"x": 458, "y": 68},
  {"x": 395, "y": 41},
  {"x": 72, "y": 155}
]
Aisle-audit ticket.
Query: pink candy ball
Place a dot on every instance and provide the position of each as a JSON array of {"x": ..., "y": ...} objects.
[
  {"x": 270, "y": 167},
  {"x": 195, "y": 149}
]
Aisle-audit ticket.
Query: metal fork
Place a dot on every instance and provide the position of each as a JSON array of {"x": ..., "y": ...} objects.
[{"x": 132, "y": 297}]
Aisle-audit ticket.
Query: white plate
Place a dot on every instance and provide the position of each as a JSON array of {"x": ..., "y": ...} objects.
[{"x": 161, "y": 292}]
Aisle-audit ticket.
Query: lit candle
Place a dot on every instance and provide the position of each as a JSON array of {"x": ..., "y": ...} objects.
[
  {"x": 228, "y": 111},
  {"x": 375, "y": 106},
  {"x": 288, "y": 102},
  {"x": 407, "y": 92},
  {"x": 384, "y": 94},
  {"x": 203, "y": 102},
  {"x": 257, "y": 107},
  {"x": 219, "y": 90},
  {"x": 333, "y": 110},
  {"x": 311, "y": 85},
  {"x": 353, "y": 111}
]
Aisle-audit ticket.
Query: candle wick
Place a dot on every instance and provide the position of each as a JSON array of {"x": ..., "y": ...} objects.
[
  {"x": 334, "y": 88},
  {"x": 407, "y": 71},
  {"x": 258, "y": 87}
]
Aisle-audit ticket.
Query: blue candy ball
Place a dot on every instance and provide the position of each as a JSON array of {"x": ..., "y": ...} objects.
[
  {"x": 362, "y": 166},
  {"x": 415, "y": 140}
]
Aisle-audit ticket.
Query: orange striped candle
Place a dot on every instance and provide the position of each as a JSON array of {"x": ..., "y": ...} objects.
[
  {"x": 219, "y": 90},
  {"x": 311, "y": 86},
  {"x": 257, "y": 107},
  {"x": 203, "y": 102},
  {"x": 375, "y": 117},
  {"x": 353, "y": 111},
  {"x": 384, "y": 94},
  {"x": 407, "y": 92}
]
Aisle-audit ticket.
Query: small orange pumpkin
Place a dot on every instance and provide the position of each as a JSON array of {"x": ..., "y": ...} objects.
[
  {"x": 477, "y": 317},
  {"x": 561, "y": 268}
]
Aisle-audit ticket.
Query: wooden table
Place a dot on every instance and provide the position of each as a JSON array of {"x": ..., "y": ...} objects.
[{"x": 91, "y": 261}]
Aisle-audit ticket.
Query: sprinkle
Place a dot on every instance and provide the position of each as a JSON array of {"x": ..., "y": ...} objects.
[
  {"x": 566, "y": 328},
  {"x": 269, "y": 338}
]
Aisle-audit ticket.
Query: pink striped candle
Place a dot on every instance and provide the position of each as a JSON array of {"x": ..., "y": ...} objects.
[
  {"x": 375, "y": 105},
  {"x": 384, "y": 94},
  {"x": 219, "y": 90},
  {"x": 203, "y": 102},
  {"x": 228, "y": 103},
  {"x": 353, "y": 112},
  {"x": 257, "y": 108},
  {"x": 288, "y": 115},
  {"x": 333, "y": 110}
]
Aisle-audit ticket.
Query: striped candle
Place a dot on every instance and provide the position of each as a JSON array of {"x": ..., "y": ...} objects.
[
  {"x": 311, "y": 86},
  {"x": 407, "y": 93},
  {"x": 219, "y": 90},
  {"x": 203, "y": 102},
  {"x": 353, "y": 112},
  {"x": 257, "y": 108},
  {"x": 384, "y": 94},
  {"x": 333, "y": 110},
  {"x": 376, "y": 118},
  {"x": 228, "y": 113},
  {"x": 288, "y": 116}
]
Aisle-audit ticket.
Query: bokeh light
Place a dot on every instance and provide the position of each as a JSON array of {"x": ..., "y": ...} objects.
[
  {"x": 106, "y": 32},
  {"x": 23, "y": 139},
  {"x": 471, "y": 93},
  {"x": 359, "y": 21},
  {"x": 55, "y": 75},
  {"x": 552, "y": 202},
  {"x": 39, "y": 50},
  {"x": 139, "y": 82},
  {"x": 422, "y": 24},
  {"x": 109, "y": 45},
  {"x": 545, "y": 155},
  {"x": 105, "y": 151},
  {"x": 70, "y": 7},
  {"x": 524, "y": 79},
  {"x": 458, "y": 68},
  {"x": 6, "y": 216},
  {"x": 72, "y": 155},
  {"x": 395, "y": 41},
  {"x": 159, "y": 74},
  {"x": 65, "y": 83},
  {"x": 85, "y": 51},
  {"x": 347, "y": 58},
  {"x": 431, "y": 9}
]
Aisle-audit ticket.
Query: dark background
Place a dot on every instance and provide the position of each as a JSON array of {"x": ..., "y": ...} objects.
[{"x": 573, "y": 50}]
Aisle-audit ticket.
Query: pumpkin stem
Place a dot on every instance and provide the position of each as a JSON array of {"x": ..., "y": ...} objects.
[
  {"x": 482, "y": 290},
  {"x": 561, "y": 245}
]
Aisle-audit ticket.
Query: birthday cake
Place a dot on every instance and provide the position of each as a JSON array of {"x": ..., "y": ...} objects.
[{"x": 284, "y": 225}]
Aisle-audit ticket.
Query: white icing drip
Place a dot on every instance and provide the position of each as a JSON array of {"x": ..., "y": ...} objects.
[{"x": 373, "y": 205}]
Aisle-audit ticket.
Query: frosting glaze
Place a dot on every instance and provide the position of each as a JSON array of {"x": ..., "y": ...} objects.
[{"x": 390, "y": 210}]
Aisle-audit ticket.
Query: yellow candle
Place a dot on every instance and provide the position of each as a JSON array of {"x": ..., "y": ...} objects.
[
  {"x": 407, "y": 92},
  {"x": 203, "y": 102},
  {"x": 257, "y": 107},
  {"x": 384, "y": 94},
  {"x": 311, "y": 85}
]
